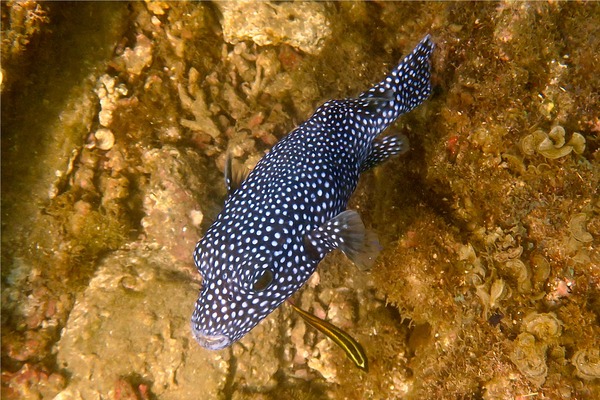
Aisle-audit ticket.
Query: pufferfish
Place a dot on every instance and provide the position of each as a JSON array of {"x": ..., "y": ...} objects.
[{"x": 281, "y": 220}]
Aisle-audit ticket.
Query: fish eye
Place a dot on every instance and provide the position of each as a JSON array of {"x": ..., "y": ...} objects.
[{"x": 263, "y": 281}]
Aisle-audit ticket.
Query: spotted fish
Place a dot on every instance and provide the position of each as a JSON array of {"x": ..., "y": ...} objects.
[{"x": 290, "y": 211}]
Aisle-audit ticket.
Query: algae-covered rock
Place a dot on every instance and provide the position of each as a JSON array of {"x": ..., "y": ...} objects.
[
  {"x": 302, "y": 25},
  {"x": 117, "y": 119},
  {"x": 173, "y": 200},
  {"x": 137, "y": 306}
]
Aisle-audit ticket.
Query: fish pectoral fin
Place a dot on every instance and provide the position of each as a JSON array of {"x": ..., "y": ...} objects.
[
  {"x": 234, "y": 175},
  {"x": 346, "y": 232},
  {"x": 384, "y": 148}
]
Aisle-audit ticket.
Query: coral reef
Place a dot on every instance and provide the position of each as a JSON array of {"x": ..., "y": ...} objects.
[{"x": 116, "y": 121}]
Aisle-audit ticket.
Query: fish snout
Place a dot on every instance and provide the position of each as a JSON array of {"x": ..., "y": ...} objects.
[{"x": 210, "y": 342}]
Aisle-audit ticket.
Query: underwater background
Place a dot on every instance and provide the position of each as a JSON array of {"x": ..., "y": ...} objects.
[{"x": 116, "y": 121}]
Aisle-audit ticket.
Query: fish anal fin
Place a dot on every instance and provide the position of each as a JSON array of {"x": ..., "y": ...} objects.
[
  {"x": 384, "y": 148},
  {"x": 346, "y": 232}
]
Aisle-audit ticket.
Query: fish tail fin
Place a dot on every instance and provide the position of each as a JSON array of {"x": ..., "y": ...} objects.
[{"x": 404, "y": 88}]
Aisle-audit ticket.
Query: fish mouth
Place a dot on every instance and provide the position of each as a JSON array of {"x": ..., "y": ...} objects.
[{"x": 210, "y": 342}]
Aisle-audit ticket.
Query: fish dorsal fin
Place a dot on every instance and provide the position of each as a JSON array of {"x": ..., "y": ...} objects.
[
  {"x": 346, "y": 232},
  {"x": 374, "y": 103},
  {"x": 234, "y": 175}
]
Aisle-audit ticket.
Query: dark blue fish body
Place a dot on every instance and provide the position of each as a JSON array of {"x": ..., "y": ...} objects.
[{"x": 289, "y": 212}]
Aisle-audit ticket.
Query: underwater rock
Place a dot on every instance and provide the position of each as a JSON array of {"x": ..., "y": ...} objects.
[
  {"x": 323, "y": 361},
  {"x": 31, "y": 383},
  {"x": 301, "y": 25},
  {"x": 173, "y": 200},
  {"x": 24, "y": 21},
  {"x": 132, "y": 320},
  {"x": 135, "y": 60},
  {"x": 257, "y": 360},
  {"x": 105, "y": 139},
  {"x": 157, "y": 7},
  {"x": 108, "y": 92},
  {"x": 482, "y": 85}
]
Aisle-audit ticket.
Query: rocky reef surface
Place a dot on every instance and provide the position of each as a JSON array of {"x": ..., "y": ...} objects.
[{"x": 116, "y": 120}]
